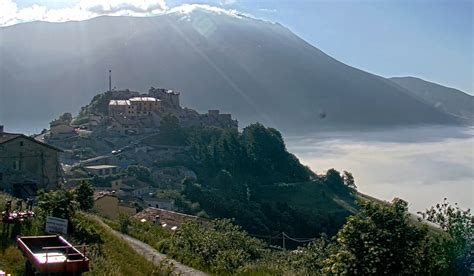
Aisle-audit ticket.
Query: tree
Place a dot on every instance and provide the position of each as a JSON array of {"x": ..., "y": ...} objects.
[
  {"x": 380, "y": 239},
  {"x": 85, "y": 195},
  {"x": 310, "y": 258},
  {"x": 124, "y": 222},
  {"x": 349, "y": 180},
  {"x": 66, "y": 117},
  {"x": 222, "y": 247},
  {"x": 60, "y": 203},
  {"x": 170, "y": 131},
  {"x": 458, "y": 224},
  {"x": 142, "y": 173}
]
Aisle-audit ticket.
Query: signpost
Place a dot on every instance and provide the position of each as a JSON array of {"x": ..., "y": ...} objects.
[{"x": 56, "y": 225}]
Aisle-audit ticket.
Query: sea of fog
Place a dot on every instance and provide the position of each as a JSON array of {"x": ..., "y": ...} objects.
[{"x": 421, "y": 165}]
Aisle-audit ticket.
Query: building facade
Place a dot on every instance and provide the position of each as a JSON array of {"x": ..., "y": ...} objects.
[{"x": 27, "y": 164}]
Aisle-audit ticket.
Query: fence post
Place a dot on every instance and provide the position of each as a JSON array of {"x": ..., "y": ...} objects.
[{"x": 283, "y": 239}]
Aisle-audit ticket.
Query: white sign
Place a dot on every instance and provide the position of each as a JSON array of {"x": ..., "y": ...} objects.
[{"x": 56, "y": 225}]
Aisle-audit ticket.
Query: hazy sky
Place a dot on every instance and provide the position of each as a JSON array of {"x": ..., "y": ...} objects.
[{"x": 430, "y": 39}]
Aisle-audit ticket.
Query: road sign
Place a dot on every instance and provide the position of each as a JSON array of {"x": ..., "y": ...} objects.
[{"x": 56, "y": 225}]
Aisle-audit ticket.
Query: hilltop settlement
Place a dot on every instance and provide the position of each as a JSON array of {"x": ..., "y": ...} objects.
[{"x": 115, "y": 143}]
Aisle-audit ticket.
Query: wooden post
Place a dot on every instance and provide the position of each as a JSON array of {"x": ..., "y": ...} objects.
[{"x": 283, "y": 239}]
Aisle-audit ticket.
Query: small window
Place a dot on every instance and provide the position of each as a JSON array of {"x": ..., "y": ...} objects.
[
  {"x": 21, "y": 143},
  {"x": 1, "y": 176}
]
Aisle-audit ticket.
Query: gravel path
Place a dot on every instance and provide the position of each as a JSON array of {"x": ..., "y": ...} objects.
[{"x": 152, "y": 254}]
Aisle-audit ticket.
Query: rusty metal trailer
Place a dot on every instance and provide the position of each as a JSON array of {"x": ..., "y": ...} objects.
[{"x": 52, "y": 255}]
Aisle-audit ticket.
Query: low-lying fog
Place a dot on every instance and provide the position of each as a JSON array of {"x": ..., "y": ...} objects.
[{"x": 421, "y": 165}]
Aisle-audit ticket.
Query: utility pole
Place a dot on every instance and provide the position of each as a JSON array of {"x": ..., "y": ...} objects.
[
  {"x": 110, "y": 80},
  {"x": 283, "y": 239}
]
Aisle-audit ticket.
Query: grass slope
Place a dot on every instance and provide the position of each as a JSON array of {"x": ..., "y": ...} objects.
[{"x": 112, "y": 257}]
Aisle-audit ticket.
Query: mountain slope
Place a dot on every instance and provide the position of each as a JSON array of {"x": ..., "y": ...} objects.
[
  {"x": 257, "y": 70},
  {"x": 447, "y": 99}
]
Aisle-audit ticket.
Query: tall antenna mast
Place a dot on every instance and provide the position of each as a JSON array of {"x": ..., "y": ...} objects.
[{"x": 110, "y": 80}]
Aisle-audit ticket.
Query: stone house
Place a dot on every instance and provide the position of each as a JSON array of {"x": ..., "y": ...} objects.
[
  {"x": 134, "y": 108},
  {"x": 27, "y": 164},
  {"x": 162, "y": 203},
  {"x": 110, "y": 206},
  {"x": 102, "y": 170},
  {"x": 169, "y": 98}
]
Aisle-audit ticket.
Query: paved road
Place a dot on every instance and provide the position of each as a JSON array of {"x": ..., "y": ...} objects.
[{"x": 153, "y": 255}]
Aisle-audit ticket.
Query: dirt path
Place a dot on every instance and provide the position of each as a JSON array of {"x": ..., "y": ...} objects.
[{"x": 152, "y": 254}]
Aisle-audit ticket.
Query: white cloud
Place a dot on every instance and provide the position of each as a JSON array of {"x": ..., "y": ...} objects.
[
  {"x": 10, "y": 14},
  {"x": 267, "y": 10},
  {"x": 8, "y": 11},
  {"x": 227, "y": 2},
  {"x": 188, "y": 8}
]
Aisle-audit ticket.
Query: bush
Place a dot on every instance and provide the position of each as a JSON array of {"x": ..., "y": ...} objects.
[
  {"x": 124, "y": 222},
  {"x": 85, "y": 195},
  {"x": 12, "y": 261},
  {"x": 222, "y": 248}
]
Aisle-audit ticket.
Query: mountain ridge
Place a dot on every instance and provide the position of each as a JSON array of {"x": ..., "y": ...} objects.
[
  {"x": 254, "y": 69},
  {"x": 447, "y": 99}
]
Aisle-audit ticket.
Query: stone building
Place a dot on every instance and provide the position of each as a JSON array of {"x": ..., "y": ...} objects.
[
  {"x": 169, "y": 98},
  {"x": 27, "y": 165},
  {"x": 134, "y": 108},
  {"x": 119, "y": 108},
  {"x": 110, "y": 206},
  {"x": 103, "y": 170},
  {"x": 143, "y": 106}
]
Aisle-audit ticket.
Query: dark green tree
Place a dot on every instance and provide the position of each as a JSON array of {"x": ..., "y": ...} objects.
[
  {"x": 60, "y": 203},
  {"x": 85, "y": 195},
  {"x": 142, "y": 173},
  {"x": 171, "y": 132},
  {"x": 454, "y": 247},
  {"x": 66, "y": 117},
  {"x": 380, "y": 239},
  {"x": 349, "y": 180}
]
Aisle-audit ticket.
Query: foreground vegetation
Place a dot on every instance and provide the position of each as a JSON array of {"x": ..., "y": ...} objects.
[
  {"x": 108, "y": 254},
  {"x": 380, "y": 239}
]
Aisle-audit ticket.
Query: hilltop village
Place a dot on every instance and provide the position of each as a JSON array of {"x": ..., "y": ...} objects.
[{"x": 115, "y": 143}]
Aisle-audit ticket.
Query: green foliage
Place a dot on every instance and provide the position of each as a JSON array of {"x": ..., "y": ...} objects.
[
  {"x": 124, "y": 222},
  {"x": 60, "y": 203},
  {"x": 142, "y": 173},
  {"x": 219, "y": 247},
  {"x": 170, "y": 133},
  {"x": 85, "y": 195},
  {"x": 235, "y": 171},
  {"x": 12, "y": 261},
  {"x": 458, "y": 225},
  {"x": 84, "y": 232},
  {"x": 99, "y": 104},
  {"x": 349, "y": 180},
  {"x": 310, "y": 258},
  {"x": 380, "y": 239},
  {"x": 66, "y": 117},
  {"x": 112, "y": 255}
]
